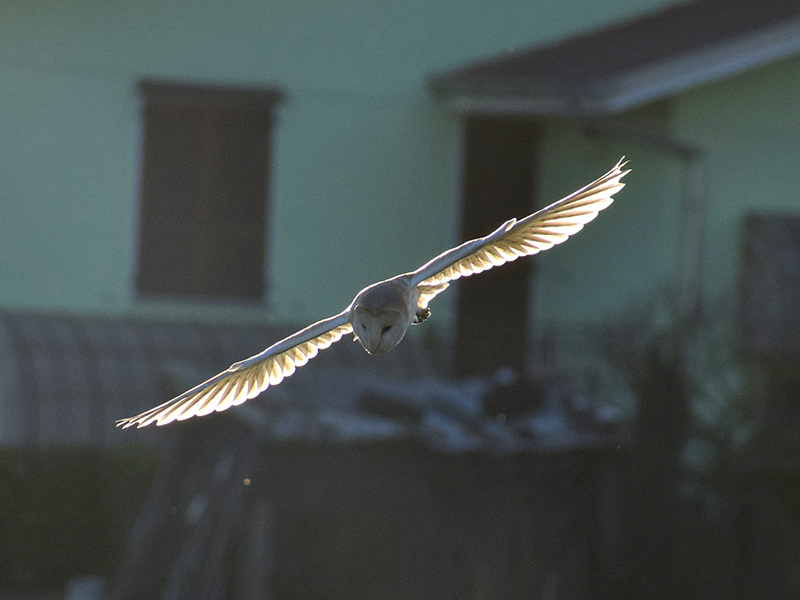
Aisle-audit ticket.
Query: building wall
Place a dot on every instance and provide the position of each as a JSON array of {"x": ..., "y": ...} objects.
[
  {"x": 749, "y": 126},
  {"x": 626, "y": 265},
  {"x": 365, "y": 165},
  {"x": 748, "y": 129},
  {"x": 630, "y": 252}
]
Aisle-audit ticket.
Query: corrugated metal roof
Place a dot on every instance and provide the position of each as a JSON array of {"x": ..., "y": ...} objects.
[
  {"x": 64, "y": 379},
  {"x": 627, "y": 64}
]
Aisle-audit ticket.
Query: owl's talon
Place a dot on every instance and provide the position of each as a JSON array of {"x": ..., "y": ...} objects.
[{"x": 422, "y": 314}]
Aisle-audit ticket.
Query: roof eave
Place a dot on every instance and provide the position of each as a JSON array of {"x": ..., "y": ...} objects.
[
  {"x": 465, "y": 92},
  {"x": 711, "y": 64}
]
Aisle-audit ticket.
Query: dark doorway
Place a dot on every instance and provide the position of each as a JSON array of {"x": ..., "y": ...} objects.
[{"x": 492, "y": 311}]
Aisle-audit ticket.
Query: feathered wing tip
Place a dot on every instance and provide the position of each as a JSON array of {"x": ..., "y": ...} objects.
[
  {"x": 535, "y": 233},
  {"x": 246, "y": 379}
]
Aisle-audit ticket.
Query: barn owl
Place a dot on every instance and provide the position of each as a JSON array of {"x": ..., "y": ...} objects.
[{"x": 381, "y": 313}]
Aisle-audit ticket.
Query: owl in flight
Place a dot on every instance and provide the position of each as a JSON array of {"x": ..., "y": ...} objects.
[{"x": 381, "y": 313}]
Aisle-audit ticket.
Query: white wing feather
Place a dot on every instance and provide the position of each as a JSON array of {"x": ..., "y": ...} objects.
[
  {"x": 535, "y": 233},
  {"x": 248, "y": 378}
]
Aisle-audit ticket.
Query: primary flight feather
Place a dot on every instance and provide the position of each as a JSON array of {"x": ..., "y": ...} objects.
[{"x": 381, "y": 313}]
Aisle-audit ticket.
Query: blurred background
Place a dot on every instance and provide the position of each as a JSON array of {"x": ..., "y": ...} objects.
[{"x": 184, "y": 182}]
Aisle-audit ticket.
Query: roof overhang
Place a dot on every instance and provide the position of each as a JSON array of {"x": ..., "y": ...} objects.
[{"x": 628, "y": 65}]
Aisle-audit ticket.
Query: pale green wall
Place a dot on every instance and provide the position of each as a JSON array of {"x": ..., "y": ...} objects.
[
  {"x": 359, "y": 142},
  {"x": 68, "y": 156},
  {"x": 630, "y": 251},
  {"x": 750, "y": 128}
]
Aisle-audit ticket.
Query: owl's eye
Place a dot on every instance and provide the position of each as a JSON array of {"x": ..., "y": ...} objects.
[{"x": 385, "y": 329}]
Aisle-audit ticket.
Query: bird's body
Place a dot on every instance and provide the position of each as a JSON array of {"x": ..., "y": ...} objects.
[{"x": 381, "y": 313}]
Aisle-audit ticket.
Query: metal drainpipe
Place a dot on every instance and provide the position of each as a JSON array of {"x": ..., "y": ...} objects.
[{"x": 693, "y": 211}]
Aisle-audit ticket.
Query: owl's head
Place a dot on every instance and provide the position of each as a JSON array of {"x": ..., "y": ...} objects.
[{"x": 378, "y": 332}]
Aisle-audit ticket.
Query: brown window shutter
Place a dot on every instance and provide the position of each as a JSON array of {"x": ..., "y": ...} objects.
[{"x": 204, "y": 192}]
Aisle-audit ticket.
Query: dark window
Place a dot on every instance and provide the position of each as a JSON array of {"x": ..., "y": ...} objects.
[
  {"x": 499, "y": 166},
  {"x": 204, "y": 204},
  {"x": 770, "y": 288}
]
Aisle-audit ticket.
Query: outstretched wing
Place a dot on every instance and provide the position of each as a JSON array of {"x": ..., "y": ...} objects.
[
  {"x": 248, "y": 378},
  {"x": 535, "y": 233}
]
